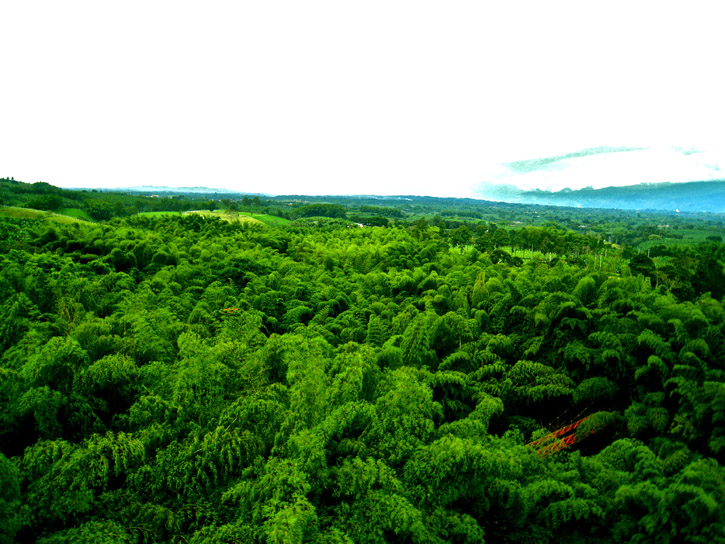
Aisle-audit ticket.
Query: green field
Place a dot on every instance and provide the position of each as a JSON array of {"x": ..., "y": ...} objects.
[
  {"x": 22, "y": 213},
  {"x": 27, "y": 213},
  {"x": 682, "y": 237},
  {"x": 271, "y": 220},
  {"x": 230, "y": 215},
  {"x": 700, "y": 235},
  {"x": 227, "y": 215},
  {"x": 156, "y": 214},
  {"x": 245, "y": 217},
  {"x": 75, "y": 212}
]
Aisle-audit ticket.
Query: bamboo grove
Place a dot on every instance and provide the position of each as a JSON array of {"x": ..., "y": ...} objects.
[{"x": 187, "y": 380}]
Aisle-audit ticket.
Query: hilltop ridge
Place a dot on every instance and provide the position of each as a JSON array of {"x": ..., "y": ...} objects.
[{"x": 693, "y": 196}]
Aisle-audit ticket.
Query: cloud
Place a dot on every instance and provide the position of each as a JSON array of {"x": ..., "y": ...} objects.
[
  {"x": 550, "y": 163},
  {"x": 687, "y": 151},
  {"x": 599, "y": 167}
]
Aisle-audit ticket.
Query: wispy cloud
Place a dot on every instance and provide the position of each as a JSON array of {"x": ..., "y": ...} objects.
[
  {"x": 608, "y": 166},
  {"x": 687, "y": 151},
  {"x": 550, "y": 163}
]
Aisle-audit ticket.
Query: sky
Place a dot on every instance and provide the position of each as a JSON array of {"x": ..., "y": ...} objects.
[{"x": 374, "y": 97}]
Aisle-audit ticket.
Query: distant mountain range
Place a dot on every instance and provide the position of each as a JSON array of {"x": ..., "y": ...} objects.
[
  {"x": 175, "y": 190},
  {"x": 694, "y": 196}
]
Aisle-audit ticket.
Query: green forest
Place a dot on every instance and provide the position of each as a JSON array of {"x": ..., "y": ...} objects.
[{"x": 352, "y": 370}]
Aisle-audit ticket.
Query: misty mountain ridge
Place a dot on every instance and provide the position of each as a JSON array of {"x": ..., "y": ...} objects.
[
  {"x": 693, "y": 196},
  {"x": 176, "y": 190}
]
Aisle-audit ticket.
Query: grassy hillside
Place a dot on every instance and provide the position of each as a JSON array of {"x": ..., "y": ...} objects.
[
  {"x": 25, "y": 213},
  {"x": 227, "y": 215},
  {"x": 75, "y": 212}
]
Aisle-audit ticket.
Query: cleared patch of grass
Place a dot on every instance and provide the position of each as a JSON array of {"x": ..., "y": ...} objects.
[
  {"x": 231, "y": 216},
  {"x": 75, "y": 212},
  {"x": 228, "y": 215},
  {"x": 271, "y": 220},
  {"x": 684, "y": 237},
  {"x": 156, "y": 214},
  {"x": 66, "y": 220},
  {"x": 27, "y": 213},
  {"x": 700, "y": 235},
  {"x": 22, "y": 213}
]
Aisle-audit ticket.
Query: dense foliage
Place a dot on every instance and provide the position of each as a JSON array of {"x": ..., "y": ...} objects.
[{"x": 184, "y": 379}]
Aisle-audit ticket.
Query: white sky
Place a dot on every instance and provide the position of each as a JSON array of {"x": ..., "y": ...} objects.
[{"x": 373, "y": 97}]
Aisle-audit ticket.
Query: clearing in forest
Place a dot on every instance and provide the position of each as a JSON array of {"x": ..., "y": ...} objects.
[
  {"x": 29, "y": 213},
  {"x": 244, "y": 217}
]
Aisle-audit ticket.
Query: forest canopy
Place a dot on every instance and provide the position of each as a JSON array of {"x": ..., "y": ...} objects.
[{"x": 184, "y": 378}]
